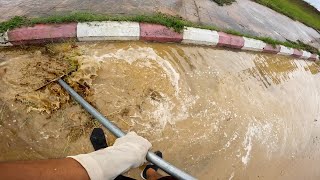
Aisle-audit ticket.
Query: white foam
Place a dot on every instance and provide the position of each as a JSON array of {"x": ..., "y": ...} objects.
[
  {"x": 248, "y": 144},
  {"x": 231, "y": 176},
  {"x": 260, "y": 132},
  {"x": 162, "y": 111},
  {"x": 168, "y": 110},
  {"x": 234, "y": 137},
  {"x": 144, "y": 54}
]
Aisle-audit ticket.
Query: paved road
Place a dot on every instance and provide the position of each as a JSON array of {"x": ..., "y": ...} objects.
[{"x": 244, "y": 16}]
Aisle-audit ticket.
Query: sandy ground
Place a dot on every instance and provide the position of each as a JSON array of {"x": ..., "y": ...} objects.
[
  {"x": 244, "y": 15},
  {"x": 214, "y": 113}
]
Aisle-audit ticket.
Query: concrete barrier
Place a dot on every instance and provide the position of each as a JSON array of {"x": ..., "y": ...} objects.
[
  {"x": 286, "y": 50},
  {"x": 306, "y": 55},
  {"x": 271, "y": 49},
  {"x": 253, "y": 44},
  {"x": 4, "y": 40},
  {"x": 200, "y": 36},
  {"x": 231, "y": 41},
  {"x": 313, "y": 57},
  {"x": 109, "y": 30},
  {"x": 297, "y": 53},
  {"x": 113, "y": 30},
  {"x": 158, "y": 33},
  {"x": 42, "y": 33}
]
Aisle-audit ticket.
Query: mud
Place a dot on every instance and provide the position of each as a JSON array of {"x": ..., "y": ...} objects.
[{"x": 217, "y": 114}]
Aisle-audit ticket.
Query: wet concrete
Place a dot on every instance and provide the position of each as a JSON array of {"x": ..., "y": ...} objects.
[
  {"x": 244, "y": 16},
  {"x": 217, "y": 114}
]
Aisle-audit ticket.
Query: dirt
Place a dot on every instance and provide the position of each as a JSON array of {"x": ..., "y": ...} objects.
[
  {"x": 43, "y": 112},
  {"x": 217, "y": 114}
]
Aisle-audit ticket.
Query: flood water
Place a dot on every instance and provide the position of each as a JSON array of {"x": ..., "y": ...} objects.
[{"x": 217, "y": 114}]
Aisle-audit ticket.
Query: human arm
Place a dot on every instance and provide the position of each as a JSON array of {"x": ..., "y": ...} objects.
[
  {"x": 127, "y": 152},
  {"x": 66, "y": 168}
]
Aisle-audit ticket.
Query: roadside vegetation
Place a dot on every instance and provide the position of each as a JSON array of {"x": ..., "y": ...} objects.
[
  {"x": 296, "y": 10},
  {"x": 173, "y": 22},
  {"x": 224, "y": 2}
]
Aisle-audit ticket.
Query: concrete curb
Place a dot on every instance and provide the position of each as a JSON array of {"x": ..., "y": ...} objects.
[
  {"x": 109, "y": 30},
  {"x": 42, "y": 33},
  {"x": 200, "y": 36},
  {"x": 124, "y": 31},
  {"x": 297, "y": 53},
  {"x": 271, "y": 49},
  {"x": 253, "y": 44},
  {"x": 4, "y": 40},
  {"x": 286, "y": 51},
  {"x": 314, "y": 57},
  {"x": 306, "y": 55},
  {"x": 231, "y": 41},
  {"x": 158, "y": 33}
]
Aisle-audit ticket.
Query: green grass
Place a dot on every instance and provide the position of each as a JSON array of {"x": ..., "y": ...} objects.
[
  {"x": 169, "y": 21},
  {"x": 173, "y": 22},
  {"x": 224, "y": 2},
  {"x": 12, "y": 23},
  {"x": 296, "y": 10}
]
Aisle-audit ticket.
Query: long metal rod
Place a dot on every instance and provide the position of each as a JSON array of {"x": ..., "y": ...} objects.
[{"x": 151, "y": 157}]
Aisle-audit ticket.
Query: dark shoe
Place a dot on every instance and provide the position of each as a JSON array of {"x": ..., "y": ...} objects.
[
  {"x": 98, "y": 139},
  {"x": 153, "y": 166}
]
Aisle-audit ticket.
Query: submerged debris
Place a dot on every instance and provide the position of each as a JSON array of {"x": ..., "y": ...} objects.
[{"x": 42, "y": 93}]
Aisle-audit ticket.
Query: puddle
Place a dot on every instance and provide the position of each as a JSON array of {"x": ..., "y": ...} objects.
[{"x": 217, "y": 114}]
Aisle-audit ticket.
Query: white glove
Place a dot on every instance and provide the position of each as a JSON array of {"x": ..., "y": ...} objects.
[{"x": 127, "y": 152}]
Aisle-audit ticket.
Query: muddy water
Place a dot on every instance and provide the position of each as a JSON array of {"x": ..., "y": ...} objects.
[{"x": 217, "y": 114}]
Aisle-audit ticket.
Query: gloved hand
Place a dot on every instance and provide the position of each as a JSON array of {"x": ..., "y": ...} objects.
[{"x": 127, "y": 152}]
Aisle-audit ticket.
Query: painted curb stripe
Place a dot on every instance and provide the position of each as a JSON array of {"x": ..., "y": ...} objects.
[
  {"x": 108, "y": 30},
  {"x": 158, "y": 33},
  {"x": 306, "y": 55},
  {"x": 253, "y": 44},
  {"x": 313, "y": 57},
  {"x": 42, "y": 33},
  {"x": 271, "y": 49},
  {"x": 297, "y": 53},
  {"x": 231, "y": 41},
  {"x": 200, "y": 36},
  {"x": 286, "y": 51},
  {"x": 114, "y": 30},
  {"x": 4, "y": 40}
]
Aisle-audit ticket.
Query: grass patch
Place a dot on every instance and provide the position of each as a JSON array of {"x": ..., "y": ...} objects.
[
  {"x": 224, "y": 2},
  {"x": 173, "y": 22},
  {"x": 17, "y": 21},
  {"x": 170, "y": 21},
  {"x": 296, "y": 10}
]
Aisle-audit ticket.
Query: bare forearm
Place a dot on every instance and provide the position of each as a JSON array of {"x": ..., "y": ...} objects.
[{"x": 66, "y": 168}]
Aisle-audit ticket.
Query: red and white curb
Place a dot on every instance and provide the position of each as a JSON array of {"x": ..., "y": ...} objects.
[
  {"x": 4, "y": 40},
  {"x": 200, "y": 36},
  {"x": 125, "y": 31},
  {"x": 253, "y": 44},
  {"x": 102, "y": 31},
  {"x": 42, "y": 33},
  {"x": 286, "y": 51}
]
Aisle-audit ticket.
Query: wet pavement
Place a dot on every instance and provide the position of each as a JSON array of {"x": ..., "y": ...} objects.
[
  {"x": 217, "y": 114},
  {"x": 244, "y": 16}
]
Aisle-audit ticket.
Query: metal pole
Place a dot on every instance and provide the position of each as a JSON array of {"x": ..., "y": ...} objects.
[{"x": 151, "y": 157}]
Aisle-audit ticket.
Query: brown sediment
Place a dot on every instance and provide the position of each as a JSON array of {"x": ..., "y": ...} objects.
[
  {"x": 35, "y": 76},
  {"x": 28, "y": 88}
]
